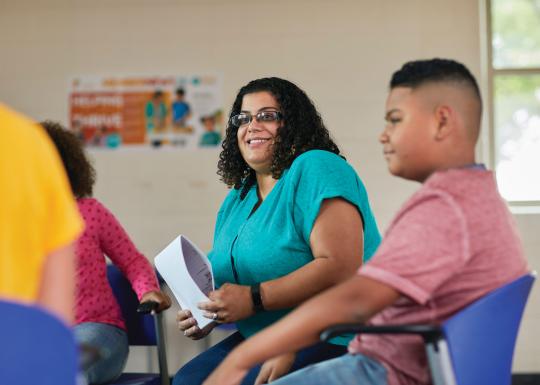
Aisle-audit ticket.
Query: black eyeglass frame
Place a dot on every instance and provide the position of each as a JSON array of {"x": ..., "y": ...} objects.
[{"x": 274, "y": 116}]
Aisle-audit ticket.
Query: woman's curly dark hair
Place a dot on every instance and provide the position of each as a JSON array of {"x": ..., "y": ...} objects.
[
  {"x": 81, "y": 173},
  {"x": 302, "y": 130}
]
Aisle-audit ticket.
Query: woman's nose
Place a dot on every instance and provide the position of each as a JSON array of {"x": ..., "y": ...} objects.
[{"x": 253, "y": 125}]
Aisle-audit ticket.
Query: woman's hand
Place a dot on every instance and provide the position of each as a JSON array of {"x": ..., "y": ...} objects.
[
  {"x": 275, "y": 368},
  {"x": 162, "y": 299},
  {"x": 188, "y": 325},
  {"x": 228, "y": 304}
]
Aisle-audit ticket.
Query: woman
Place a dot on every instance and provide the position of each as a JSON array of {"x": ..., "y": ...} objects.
[{"x": 296, "y": 222}]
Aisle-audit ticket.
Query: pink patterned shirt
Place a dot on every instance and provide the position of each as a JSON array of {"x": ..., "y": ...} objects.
[
  {"x": 102, "y": 236},
  {"x": 451, "y": 243}
]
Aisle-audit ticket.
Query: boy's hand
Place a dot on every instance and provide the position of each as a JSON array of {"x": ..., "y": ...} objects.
[
  {"x": 159, "y": 297},
  {"x": 275, "y": 368}
]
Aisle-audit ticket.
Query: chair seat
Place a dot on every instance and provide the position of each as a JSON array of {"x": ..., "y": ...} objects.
[{"x": 137, "y": 379}]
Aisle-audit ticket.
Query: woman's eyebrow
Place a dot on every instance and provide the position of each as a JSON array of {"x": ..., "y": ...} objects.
[{"x": 262, "y": 109}]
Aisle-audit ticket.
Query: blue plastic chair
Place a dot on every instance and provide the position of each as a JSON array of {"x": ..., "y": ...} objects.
[
  {"x": 142, "y": 330},
  {"x": 476, "y": 345},
  {"x": 37, "y": 347}
]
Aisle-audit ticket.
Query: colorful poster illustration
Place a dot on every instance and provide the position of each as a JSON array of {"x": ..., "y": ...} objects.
[{"x": 160, "y": 111}]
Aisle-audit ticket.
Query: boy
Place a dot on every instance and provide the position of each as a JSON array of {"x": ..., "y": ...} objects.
[
  {"x": 210, "y": 137},
  {"x": 180, "y": 109},
  {"x": 451, "y": 243}
]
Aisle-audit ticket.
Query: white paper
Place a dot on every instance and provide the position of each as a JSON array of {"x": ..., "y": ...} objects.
[{"x": 188, "y": 273}]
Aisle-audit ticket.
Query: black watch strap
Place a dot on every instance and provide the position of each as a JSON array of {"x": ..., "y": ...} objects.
[{"x": 256, "y": 298}]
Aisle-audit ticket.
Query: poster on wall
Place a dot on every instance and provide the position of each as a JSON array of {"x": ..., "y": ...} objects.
[{"x": 181, "y": 112}]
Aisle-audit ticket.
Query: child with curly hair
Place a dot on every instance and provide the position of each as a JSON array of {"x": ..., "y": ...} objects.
[{"x": 98, "y": 319}]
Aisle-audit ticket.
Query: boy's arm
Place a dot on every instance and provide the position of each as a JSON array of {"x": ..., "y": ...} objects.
[{"x": 355, "y": 300}]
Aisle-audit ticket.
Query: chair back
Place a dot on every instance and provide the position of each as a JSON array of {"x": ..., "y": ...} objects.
[
  {"x": 481, "y": 338},
  {"x": 140, "y": 327},
  {"x": 37, "y": 347}
]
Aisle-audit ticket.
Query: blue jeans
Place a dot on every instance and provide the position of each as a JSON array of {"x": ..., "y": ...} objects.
[
  {"x": 111, "y": 343},
  {"x": 199, "y": 368},
  {"x": 349, "y": 369}
]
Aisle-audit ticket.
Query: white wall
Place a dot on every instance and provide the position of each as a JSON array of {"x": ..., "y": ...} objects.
[{"x": 341, "y": 53}]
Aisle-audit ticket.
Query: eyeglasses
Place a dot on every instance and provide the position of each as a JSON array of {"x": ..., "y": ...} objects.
[{"x": 244, "y": 118}]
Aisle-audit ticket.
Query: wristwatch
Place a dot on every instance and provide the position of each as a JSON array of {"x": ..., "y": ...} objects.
[{"x": 256, "y": 298}]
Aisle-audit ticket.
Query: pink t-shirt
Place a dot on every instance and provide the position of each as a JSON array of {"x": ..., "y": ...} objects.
[
  {"x": 103, "y": 235},
  {"x": 451, "y": 243}
]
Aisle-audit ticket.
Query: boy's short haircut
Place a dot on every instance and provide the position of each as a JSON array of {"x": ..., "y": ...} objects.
[
  {"x": 417, "y": 73},
  {"x": 180, "y": 91}
]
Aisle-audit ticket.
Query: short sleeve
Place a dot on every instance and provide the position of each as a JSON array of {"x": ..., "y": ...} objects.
[
  {"x": 424, "y": 246},
  {"x": 319, "y": 175},
  {"x": 38, "y": 213}
]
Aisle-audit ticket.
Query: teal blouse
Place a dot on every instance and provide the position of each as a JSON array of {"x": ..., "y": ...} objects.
[{"x": 274, "y": 240}]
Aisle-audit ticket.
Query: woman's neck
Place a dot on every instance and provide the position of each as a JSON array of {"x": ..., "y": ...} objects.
[{"x": 265, "y": 184}]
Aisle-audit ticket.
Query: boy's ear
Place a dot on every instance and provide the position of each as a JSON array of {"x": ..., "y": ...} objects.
[{"x": 443, "y": 116}]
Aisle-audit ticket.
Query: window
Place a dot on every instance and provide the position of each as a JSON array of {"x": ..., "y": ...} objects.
[{"x": 514, "y": 76}]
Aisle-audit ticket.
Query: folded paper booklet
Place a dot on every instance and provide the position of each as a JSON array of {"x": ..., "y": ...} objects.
[{"x": 188, "y": 273}]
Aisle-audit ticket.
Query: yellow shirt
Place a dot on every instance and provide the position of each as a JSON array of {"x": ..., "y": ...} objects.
[{"x": 38, "y": 214}]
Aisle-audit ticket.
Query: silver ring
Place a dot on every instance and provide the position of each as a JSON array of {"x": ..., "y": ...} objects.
[{"x": 214, "y": 316}]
